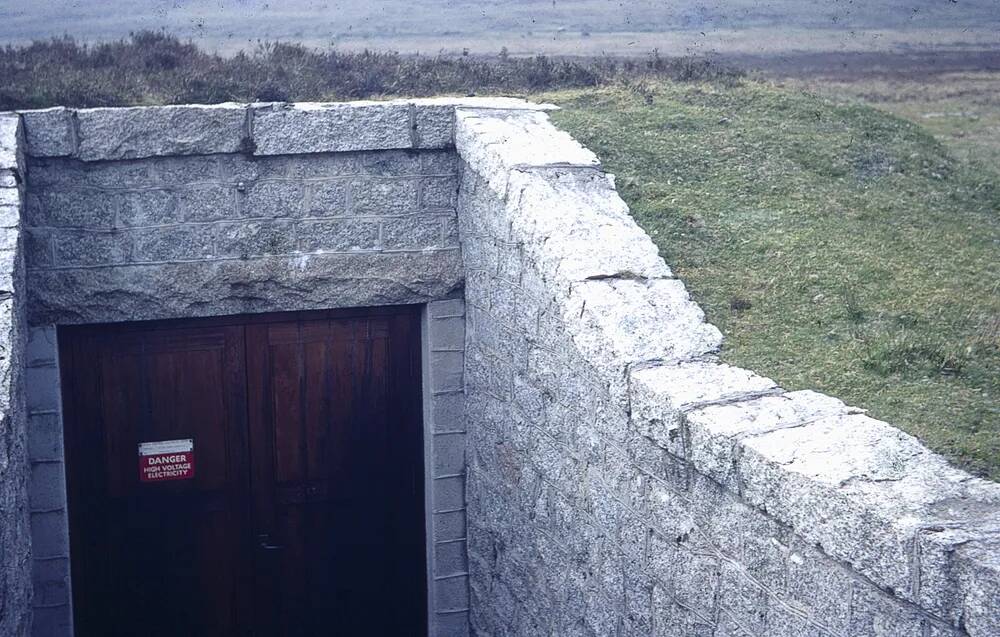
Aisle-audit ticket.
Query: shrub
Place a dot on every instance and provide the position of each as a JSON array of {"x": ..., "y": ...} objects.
[{"x": 156, "y": 68}]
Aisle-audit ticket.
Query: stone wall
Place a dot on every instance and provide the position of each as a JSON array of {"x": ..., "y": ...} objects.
[
  {"x": 155, "y": 213},
  {"x": 592, "y": 468},
  {"x": 622, "y": 481},
  {"x": 226, "y": 234},
  {"x": 15, "y": 543}
]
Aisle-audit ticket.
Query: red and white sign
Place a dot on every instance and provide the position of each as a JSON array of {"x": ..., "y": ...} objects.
[{"x": 166, "y": 460}]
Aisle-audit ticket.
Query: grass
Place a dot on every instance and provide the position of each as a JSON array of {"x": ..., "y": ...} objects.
[
  {"x": 838, "y": 247},
  {"x": 961, "y": 109}
]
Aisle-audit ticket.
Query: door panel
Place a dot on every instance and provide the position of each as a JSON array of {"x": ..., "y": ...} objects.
[
  {"x": 304, "y": 515},
  {"x": 337, "y": 454},
  {"x": 163, "y": 558}
]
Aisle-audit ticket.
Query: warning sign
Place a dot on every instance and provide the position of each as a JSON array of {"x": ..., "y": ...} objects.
[{"x": 166, "y": 460}]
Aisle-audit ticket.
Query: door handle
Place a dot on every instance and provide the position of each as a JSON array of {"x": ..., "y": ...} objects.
[{"x": 264, "y": 542}]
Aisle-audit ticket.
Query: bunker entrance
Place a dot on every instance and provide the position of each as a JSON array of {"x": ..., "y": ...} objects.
[{"x": 247, "y": 475}]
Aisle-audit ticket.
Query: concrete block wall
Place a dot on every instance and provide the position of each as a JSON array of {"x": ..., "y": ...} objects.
[
  {"x": 444, "y": 418},
  {"x": 623, "y": 481},
  {"x": 15, "y": 542},
  {"x": 51, "y": 606}
]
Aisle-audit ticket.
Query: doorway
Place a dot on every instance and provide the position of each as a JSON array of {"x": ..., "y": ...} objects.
[{"x": 257, "y": 475}]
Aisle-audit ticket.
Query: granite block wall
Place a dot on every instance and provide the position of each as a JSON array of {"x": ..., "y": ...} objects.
[
  {"x": 220, "y": 234},
  {"x": 15, "y": 534},
  {"x": 623, "y": 481}
]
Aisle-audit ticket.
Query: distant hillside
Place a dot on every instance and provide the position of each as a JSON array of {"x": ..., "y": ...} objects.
[{"x": 573, "y": 27}]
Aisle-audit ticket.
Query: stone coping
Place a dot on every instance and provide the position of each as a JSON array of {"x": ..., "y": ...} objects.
[
  {"x": 266, "y": 128},
  {"x": 865, "y": 493}
]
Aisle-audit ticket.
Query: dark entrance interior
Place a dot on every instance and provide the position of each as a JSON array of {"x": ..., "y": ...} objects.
[{"x": 300, "y": 508}]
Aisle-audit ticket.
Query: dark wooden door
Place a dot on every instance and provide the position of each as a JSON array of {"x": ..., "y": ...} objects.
[
  {"x": 336, "y": 447},
  {"x": 304, "y": 513}
]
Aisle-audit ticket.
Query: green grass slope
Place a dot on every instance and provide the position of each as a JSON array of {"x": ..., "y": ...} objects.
[{"x": 837, "y": 247}]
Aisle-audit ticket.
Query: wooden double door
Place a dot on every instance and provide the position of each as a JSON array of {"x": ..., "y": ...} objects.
[{"x": 299, "y": 508}]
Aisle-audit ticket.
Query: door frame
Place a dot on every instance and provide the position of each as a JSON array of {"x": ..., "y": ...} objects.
[{"x": 442, "y": 325}]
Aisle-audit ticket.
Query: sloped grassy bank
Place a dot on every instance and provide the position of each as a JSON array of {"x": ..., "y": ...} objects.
[{"x": 838, "y": 247}]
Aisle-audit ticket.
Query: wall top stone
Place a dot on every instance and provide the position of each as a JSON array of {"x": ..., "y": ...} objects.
[
  {"x": 268, "y": 128},
  {"x": 11, "y": 146}
]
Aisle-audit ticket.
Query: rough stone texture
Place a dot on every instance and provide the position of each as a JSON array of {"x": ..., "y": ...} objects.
[
  {"x": 49, "y": 132},
  {"x": 148, "y": 131},
  {"x": 282, "y": 129},
  {"x": 200, "y": 236},
  {"x": 623, "y": 481},
  {"x": 15, "y": 543}
]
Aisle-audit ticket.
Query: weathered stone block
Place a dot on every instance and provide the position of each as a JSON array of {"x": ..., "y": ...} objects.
[
  {"x": 617, "y": 323},
  {"x": 338, "y": 235},
  {"x": 213, "y": 203},
  {"x": 56, "y": 620},
  {"x": 180, "y": 243},
  {"x": 73, "y": 248},
  {"x": 45, "y": 437},
  {"x": 449, "y": 454},
  {"x": 120, "y": 174},
  {"x": 449, "y": 526},
  {"x": 447, "y": 333},
  {"x": 183, "y": 171},
  {"x": 573, "y": 226},
  {"x": 384, "y": 196},
  {"x": 496, "y": 142},
  {"x": 49, "y": 132},
  {"x": 392, "y": 163},
  {"x": 454, "y": 624},
  {"x": 41, "y": 348},
  {"x": 50, "y": 534},
  {"x": 42, "y": 389},
  {"x": 273, "y": 199},
  {"x": 12, "y": 143},
  {"x": 327, "y": 199},
  {"x": 448, "y": 412},
  {"x": 414, "y": 232},
  {"x": 48, "y": 486},
  {"x": 51, "y": 582},
  {"x": 446, "y": 371},
  {"x": 246, "y": 239},
  {"x": 439, "y": 163},
  {"x": 450, "y": 559},
  {"x": 449, "y": 493},
  {"x": 37, "y": 247},
  {"x": 323, "y": 128},
  {"x": 446, "y": 308},
  {"x": 131, "y": 133},
  {"x": 660, "y": 396},
  {"x": 72, "y": 209},
  {"x": 153, "y": 208},
  {"x": 452, "y": 593},
  {"x": 439, "y": 192},
  {"x": 434, "y": 126}
]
